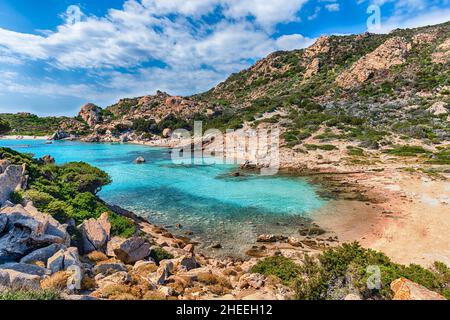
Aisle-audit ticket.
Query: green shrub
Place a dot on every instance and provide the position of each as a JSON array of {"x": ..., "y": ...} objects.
[
  {"x": 353, "y": 151},
  {"x": 121, "y": 226},
  {"x": 29, "y": 295},
  {"x": 347, "y": 266},
  {"x": 159, "y": 254},
  {"x": 40, "y": 199},
  {"x": 407, "y": 151},
  {"x": 278, "y": 266},
  {"x": 5, "y": 127},
  {"x": 16, "y": 197},
  {"x": 324, "y": 147}
]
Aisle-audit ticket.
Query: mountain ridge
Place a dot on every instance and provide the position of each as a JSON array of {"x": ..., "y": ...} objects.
[{"x": 358, "y": 86}]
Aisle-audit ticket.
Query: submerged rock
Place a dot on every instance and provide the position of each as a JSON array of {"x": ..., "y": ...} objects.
[{"x": 139, "y": 160}]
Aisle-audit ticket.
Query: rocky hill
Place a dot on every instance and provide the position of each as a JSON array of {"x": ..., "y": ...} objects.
[{"x": 369, "y": 88}]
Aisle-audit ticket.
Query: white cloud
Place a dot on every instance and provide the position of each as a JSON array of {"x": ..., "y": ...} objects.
[
  {"x": 197, "y": 54},
  {"x": 431, "y": 17},
  {"x": 333, "y": 7},
  {"x": 73, "y": 14}
]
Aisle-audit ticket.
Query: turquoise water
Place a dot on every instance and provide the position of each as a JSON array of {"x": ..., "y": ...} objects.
[{"x": 203, "y": 199}]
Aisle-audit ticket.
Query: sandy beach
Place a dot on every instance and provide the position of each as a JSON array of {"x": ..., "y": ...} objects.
[{"x": 410, "y": 224}]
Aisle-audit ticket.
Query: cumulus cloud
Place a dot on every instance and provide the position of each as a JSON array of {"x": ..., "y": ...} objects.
[{"x": 174, "y": 33}]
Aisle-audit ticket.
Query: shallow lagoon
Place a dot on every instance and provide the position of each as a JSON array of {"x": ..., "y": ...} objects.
[{"x": 217, "y": 208}]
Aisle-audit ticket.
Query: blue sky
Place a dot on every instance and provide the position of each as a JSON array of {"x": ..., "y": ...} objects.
[{"x": 56, "y": 55}]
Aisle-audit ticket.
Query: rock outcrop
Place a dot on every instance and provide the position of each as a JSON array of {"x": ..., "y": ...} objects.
[
  {"x": 393, "y": 52},
  {"x": 96, "y": 233},
  {"x": 442, "y": 53},
  {"x": 60, "y": 135},
  {"x": 132, "y": 250},
  {"x": 27, "y": 230},
  {"x": 91, "y": 114},
  {"x": 438, "y": 109},
  {"x": 312, "y": 69},
  {"x": 12, "y": 178},
  {"x": 405, "y": 289}
]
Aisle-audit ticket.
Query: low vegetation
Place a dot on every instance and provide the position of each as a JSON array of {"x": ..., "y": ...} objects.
[
  {"x": 68, "y": 191},
  {"x": 5, "y": 127},
  {"x": 21, "y": 295},
  {"x": 349, "y": 268},
  {"x": 29, "y": 124}
]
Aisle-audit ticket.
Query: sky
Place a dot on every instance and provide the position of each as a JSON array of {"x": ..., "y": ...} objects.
[{"x": 56, "y": 55}]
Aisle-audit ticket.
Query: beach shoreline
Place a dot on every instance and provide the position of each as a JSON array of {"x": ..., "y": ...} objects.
[
  {"x": 20, "y": 137},
  {"x": 382, "y": 206}
]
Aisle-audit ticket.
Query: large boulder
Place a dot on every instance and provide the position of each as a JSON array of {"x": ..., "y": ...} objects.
[
  {"x": 64, "y": 259},
  {"x": 42, "y": 254},
  {"x": 188, "y": 263},
  {"x": 14, "y": 244},
  {"x": 167, "y": 133},
  {"x": 25, "y": 268},
  {"x": 27, "y": 230},
  {"x": 95, "y": 234},
  {"x": 47, "y": 159},
  {"x": 59, "y": 135},
  {"x": 114, "y": 244},
  {"x": 133, "y": 250},
  {"x": 91, "y": 114},
  {"x": 19, "y": 281},
  {"x": 405, "y": 289},
  {"x": 164, "y": 271},
  {"x": 3, "y": 222},
  {"x": 12, "y": 177}
]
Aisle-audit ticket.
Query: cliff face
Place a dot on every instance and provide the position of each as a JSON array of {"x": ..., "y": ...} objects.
[{"x": 12, "y": 177}]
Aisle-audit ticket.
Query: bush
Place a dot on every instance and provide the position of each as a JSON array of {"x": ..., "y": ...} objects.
[
  {"x": 159, "y": 254},
  {"x": 121, "y": 226},
  {"x": 40, "y": 199},
  {"x": 281, "y": 267},
  {"x": 16, "y": 197},
  {"x": 346, "y": 267},
  {"x": 29, "y": 295},
  {"x": 4, "y": 126},
  {"x": 407, "y": 151}
]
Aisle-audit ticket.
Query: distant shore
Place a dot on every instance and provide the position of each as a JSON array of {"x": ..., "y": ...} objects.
[{"x": 20, "y": 137}]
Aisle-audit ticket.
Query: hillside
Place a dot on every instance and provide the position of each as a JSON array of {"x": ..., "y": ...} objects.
[{"x": 371, "y": 89}]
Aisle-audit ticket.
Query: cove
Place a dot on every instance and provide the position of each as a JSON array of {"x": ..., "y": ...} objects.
[{"x": 204, "y": 200}]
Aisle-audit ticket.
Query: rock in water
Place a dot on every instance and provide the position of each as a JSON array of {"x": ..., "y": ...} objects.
[
  {"x": 405, "y": 289},
  {"x": 59, "y": 135},
  {"x": 48, "y": 159},
  {"x": 139, "y": 160}
]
